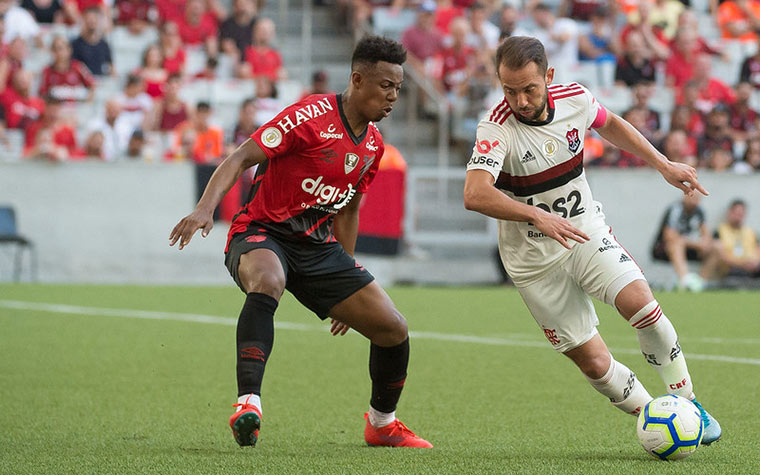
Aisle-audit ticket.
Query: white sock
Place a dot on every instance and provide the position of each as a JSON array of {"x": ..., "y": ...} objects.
[
  {"x": 252, "y": 399},
  {"x": 659, "y": 344},
  {"x": 380, "y": 419},
  {"x": 623, "y": 388}
]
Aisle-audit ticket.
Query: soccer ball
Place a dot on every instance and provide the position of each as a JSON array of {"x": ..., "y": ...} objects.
[{"x": 670, "y": 427}]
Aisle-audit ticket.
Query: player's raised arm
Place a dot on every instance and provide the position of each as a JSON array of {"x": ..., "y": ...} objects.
[
  {"x": 480, "y": 195},
  {"x": 226, "y": 174},
  {"x": 624, "y": 136}
]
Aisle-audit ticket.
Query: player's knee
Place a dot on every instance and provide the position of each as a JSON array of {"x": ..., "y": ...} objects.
[
  {"x": 267, "y": 283},
  {"x": 596, "y": 366},
  {"x": 395, "y": 330}
]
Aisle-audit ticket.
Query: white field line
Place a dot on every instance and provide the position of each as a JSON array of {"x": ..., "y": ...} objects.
[{"x": 213, "y": 319}]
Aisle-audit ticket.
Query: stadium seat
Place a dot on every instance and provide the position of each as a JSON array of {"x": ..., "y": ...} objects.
[
  {"x": 289, "y": 91},
  {"x": 15, "y": 148},
  {"x": 392, "y": 25},
  {"x": 10, "y": 236},
  {"x": 226, "y": 92},
  {"x": 195, "y": 91}
]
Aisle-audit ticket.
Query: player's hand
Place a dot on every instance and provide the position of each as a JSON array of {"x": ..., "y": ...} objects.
[
  {"x": 683, "y": 177},
  {"x": 338, "y": 328},
  {"x": 185, "y": 229},
  {"x": 558, "y": 228}
]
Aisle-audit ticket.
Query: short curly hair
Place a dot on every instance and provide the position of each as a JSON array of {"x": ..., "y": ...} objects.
[{"x": 372, "y": 49}]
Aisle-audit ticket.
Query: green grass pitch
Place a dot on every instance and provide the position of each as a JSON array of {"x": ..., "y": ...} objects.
[{"x": 87, "y": 390}]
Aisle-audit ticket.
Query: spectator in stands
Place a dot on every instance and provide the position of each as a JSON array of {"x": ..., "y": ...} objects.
[
  {"x": 720, "y": 160},
  {"x": 236, "y": 32},
  {"x": 183, "y": 149},
  {"x": 61, "y": 132},
  {"x": 136, "y": 105},
  {"x": 654, "y": 40},
  {"x": 739, "y": 19},
  {"x": 689, "y": 20},
  {"x": 66, "y": 79},
  {"x": 44, "y": 11},
  {"x": 742, "y": 118},
  {"x": 508, "y": 18},
  {"x": 170, "y": 110},
  {"x": 691, "y": 121},
  {"x": 319, "y": 84},
  {"x": 685, "y": 49},
  {"x": 209, "y": 139},
  {"x": 581, "y": 10},
  {"x": 683, "y": 236},
  {"x": 642, "y": 94},
  {"x": 739, "y": 250},
  {"x": 261, "y": 58},
  {"x": 267, "y": 104},
  {"x": 717, "y": 136},
  {"x": 635, "y": 65},
  {"x": 136, "y": 145},
  {"x": 114, "y": 129},
  {"x": 600, "y": 44},
  {"x": 136, "y": 15},
  {"x": 152, "y": 71},
  {"x": 445, "y": 13},
  {"x": 475, "y": 94},
  {"x": 483, "y": 35},
  {"x": 170, "y": 10},
  {"x": 559, "y": 37},
  {"x": 19, "y": 23},
  {"x": 44, "y": 147},
  {"x": 457, "y": 58},
  {"x": 750, "y": 71},
  {"x": 422, "y": 40},
  {"x": 208, "y": 72},
  {"x": 94, "y": 145},
  {"x": 13, "y": 60},
  {"x": 198, "y": 27},
  {"x": 637, "y": 117},
  {"x": 172, "y": 49},
  {"x": 246, "y": 124},
  {"x": 21, "y": 107},
  {"x": 598, "y": 152},
  {"x": 90, "y": 47},
  {"x": 663, "y": 15},
  {"x": 75, "y": 10},
  {"x": 751, "y": 159},
  {"x": 677, "y": 148},
  {"x": 710, "y": 91}
]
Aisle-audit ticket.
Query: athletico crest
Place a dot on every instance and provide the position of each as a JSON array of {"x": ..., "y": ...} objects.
[
  {"x": 350, "y": 163},
  {"x": 573, "y": 141}
]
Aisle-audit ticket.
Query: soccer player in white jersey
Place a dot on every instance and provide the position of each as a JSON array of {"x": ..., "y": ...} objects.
[{"x": 527, "y": 171}]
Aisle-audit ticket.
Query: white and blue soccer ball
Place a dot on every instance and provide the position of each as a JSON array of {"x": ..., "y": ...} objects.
[{"x": 670, "y": 427}]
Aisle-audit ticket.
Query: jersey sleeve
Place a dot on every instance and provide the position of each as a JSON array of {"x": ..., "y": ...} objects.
[
  {"x": 276, "y": 140},
  {"x": 490, "y": 150},
  {"x": 597, "y": 114},
  {"x": 368, "y": 177}
]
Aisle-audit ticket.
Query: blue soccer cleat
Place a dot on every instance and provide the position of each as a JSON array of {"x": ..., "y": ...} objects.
[{"x": 712, "y": 428}]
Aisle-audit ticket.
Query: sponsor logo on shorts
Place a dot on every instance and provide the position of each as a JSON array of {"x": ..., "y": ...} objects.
[
  {"x": 271, "y": 137},
  {"x": 330, "y": 134},
  {"x": 551, "y": 335}
]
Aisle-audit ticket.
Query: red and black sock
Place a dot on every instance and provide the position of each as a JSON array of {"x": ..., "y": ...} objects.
[
  {"x": 255, "y": 337},
  {"x": 387, "y": 368}
]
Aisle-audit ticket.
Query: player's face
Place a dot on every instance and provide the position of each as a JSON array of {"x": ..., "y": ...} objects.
[
  {"x": 378, "y": 89},
  {"x": 526, "y": 90}
]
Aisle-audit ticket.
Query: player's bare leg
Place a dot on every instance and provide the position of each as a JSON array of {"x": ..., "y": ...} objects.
[
  {"x": 371, "y": 312},
  {"x": 263, "y": 278},
  {"x": 659, "y": 344},
  {"x": 609, "y": 377}
]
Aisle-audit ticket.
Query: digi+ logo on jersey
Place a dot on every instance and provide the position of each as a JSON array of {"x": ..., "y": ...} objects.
[{"x": 327, "y": 194}]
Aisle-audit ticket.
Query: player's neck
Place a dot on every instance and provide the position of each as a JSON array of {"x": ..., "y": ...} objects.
[{"x": 355, "y": 120}]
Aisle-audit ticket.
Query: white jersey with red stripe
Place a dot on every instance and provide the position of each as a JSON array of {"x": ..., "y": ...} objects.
[{"x": 540, "y": 164}]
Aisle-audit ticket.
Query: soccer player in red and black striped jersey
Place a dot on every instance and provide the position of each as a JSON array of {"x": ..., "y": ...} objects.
[
  {"x": 315, "y": 160},
  {"x": 527, "y": 171}
]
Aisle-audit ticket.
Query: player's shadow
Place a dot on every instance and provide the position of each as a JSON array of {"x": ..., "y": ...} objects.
[{"x": 593, "y": 455}]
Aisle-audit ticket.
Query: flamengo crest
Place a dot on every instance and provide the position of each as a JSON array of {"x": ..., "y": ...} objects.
[
  {"x": 573, "y": 141},
  {"x": 350, "y": 163}
]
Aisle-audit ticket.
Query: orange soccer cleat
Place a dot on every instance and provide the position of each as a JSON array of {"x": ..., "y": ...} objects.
[
  {"x": 245, "y": 424},
  {"x": 395, "y": 434}
]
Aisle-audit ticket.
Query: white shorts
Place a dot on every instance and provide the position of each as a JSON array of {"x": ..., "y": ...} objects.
[{"x": 560, "y": 301}]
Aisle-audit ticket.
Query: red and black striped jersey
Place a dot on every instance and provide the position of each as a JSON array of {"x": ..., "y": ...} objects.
[{"x": 315, "y": 167}]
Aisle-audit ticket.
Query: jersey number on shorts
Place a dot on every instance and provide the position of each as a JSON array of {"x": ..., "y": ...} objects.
[{"x": 559, "y": 205}]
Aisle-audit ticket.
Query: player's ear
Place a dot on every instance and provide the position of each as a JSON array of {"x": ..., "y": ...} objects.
[
  {"x": 356, "y": 79},
  {"x": 549, "y": 76}
]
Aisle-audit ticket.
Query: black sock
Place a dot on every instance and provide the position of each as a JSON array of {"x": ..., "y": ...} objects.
[
  {"x": 387, "y": 368},
  {"x": 255, "y": 337}
]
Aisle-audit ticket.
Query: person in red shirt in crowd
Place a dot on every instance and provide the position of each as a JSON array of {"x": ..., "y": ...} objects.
[
  {"x": 172, "y": 49},
  {"x": 66, "y": 79},
  {"x": 456, "y": 59},
  {"x": 739, "y": 19},
  {"x": 136, "y": 15},
  {"x": 51, "y": 126},
  {"x": 152, "y": 71},
  {"x": 74, "y": 10},
  {"x": 717, "y": 134},
  {"x": 750, "y": 71},
  {"x": 261, "y": 58},
  {"x": 209, "y": 139},
  {"x": 171, "y": 10},
  {"x": 691, "y": 122},
  {"x": 741, "y": 115},
  {"x": 170, "y": 111},
  {"x": 422, "y": 40},
  {"x": 685, "y": 48},
  {"x": 198, "y": 27},
  {"x": 710, "y": 91},
  {"x": 21, "y": 107},
  {"x": 688, "y": 19},
  {"x": 445, "y": 14},
  {"x": 581, "y": 10},
  {"x": 13, "y": 58},
  {"x": 654, "y": 39}
]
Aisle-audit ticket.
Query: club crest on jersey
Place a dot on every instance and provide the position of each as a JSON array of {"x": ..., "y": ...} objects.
[
  {"x": 271, "y": 137},
  {"x": 573, "y": 140},
  {"x": 350, "y": 163}
]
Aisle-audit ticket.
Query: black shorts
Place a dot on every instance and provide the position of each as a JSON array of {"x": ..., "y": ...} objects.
[
  {"x": 319, "y": 275},
  {"x": 660, "y": 254}
]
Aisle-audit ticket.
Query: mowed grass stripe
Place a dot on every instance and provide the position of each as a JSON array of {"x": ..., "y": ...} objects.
[{"x": 219, "y": 320}]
